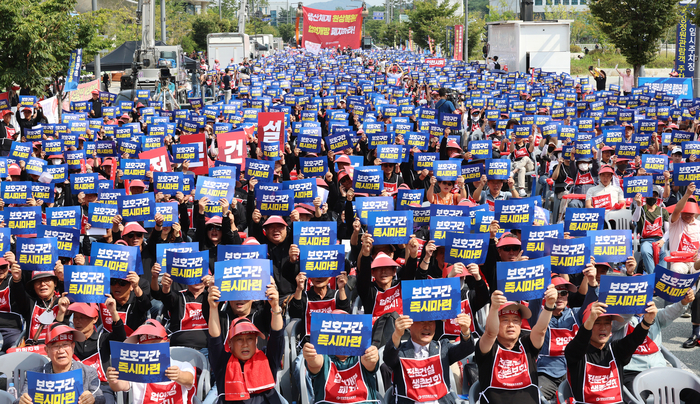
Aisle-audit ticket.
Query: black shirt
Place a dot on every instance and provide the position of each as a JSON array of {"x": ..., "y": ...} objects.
[{"x": 227, "y": 82}]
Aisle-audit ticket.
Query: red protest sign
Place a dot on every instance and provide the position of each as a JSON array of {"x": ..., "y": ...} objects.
[
  {"x": 271, "y": 128},
  {"x": 201, "y": 166},
  {"x": 435, "y": 62},
  {"x": 330, "y": 29},
  {"x": 158, "y": 158},
  {"x": 233, "y": 147}
]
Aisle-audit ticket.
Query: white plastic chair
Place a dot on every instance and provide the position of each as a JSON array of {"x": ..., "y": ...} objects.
[
  {"x": 622, "y": 219},
  {"x": 198, "y": 360},
  {"x": 6, "y": 398},
  {"x": 665, "y": 384},
  {"x": 16, "y": 364}
]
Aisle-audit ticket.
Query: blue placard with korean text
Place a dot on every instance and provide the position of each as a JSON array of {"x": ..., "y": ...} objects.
[
  {"x": 141, "y": 363},
  {"x": 36, "y": 254},
  {"x": 65, "y": 387},
  {"x": 120, "y": 259},
  {"x": 86, "y": 283},
  {"x": 431, "y": 299},
  {"x": 243, "y": 280},
  {"x": 672, "y": 286},
  {"x": 569, "y": 256},
  {"x": 341, "y": 334},
  {"x": 188, "y": 268},
  {"x": 390, "y": 227},
  {"x": 611, "y": 245},
  {"x": 626, "y": 294},
  {"x": 322, "y": 261},
  {"x": 524, "y": 280},
  {"x": 466, "y": 248},
  {"x": 578, "y": 221},
  {"x": 135, "y": 208}
]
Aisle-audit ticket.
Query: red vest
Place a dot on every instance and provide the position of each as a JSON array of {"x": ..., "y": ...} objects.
[
  {"x": 193, "y": 319},
  {"x": 387, "y": 302},
  {"x": 647, "y": 347},
  {"x": 602, "y": 201},
  {"x": 170, "y": 393},
  {"x": 584, "y": 179},
  {"x": 321, "y": 306},
  {"x": 653, "y": 229},
  {"x": 423, "y": 378},
  {"x": 5, "y": 300},
  {"x": 451, "y": 326},
  {"x": 95, "y": 361},
  {"x": 107, "y": 319},
  {"x": 346, "y": 386},
  {"x": 559, "y": 338},
  {"x": 602, "y": 384},
  {"x": 511, "y": 370},
  {"x": 34, "y": 324}
]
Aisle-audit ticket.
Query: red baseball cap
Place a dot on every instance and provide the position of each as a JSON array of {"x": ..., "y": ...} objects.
[
  {"x": 251, "y": 241},
  {"x": 150, "y": 330},
  {"x": 508, "y": 239},
  {"x": 214, "y": 221},
  {"x": 239, "y": 326},
  {"x": 61, "y": 332},
  {"x": 84, "y": 308},
  {"x": 383, "y": 260},
  {"x": 514, "y": 308},
  {"x": 275, "y": 219},
  {"x": 136, "y": 183},
  {"x": 133, "y": 227},
  {"x": 561, "y": 284},
  {"x": 606, "y": 169},
  {"x": 95, "y": 92},
  {"x": 587, "y": 313}
]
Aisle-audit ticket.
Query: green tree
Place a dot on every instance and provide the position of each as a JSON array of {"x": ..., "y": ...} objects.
[
  {"x": 480, "y": 7},
  {"x": 37, "y": 39},
  {"x": 209, "y": 23},
  {"x": 287, "y": 31},
  {"x": 395, "y": 33},
  {"x": 475, "y": 32},
  {"x": 429, "y": 19},
  {"x": 374, "y": 28},
  {"x": 501, "y": 12},
  {"x": 635, "y": 26}
]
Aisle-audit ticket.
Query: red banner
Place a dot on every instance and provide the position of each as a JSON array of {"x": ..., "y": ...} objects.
[
  {"x": 435, "y": 62},
  {"x": 271, "y": 128},
  {"x": 201, "y": 166},
  {"x": 459, "y": 42},
  {"x": 159, "y": 159},
  {"x": 330, "y": 29}
]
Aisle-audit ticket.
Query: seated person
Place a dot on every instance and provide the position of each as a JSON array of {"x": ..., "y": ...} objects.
[
  {"x": 421, "y": 352},
  {"x": 340, "y": 379},
  {"x": 505, "y": 356},
  {"x": 594, "y": 364},
  {"x": 60, "y": 346},
  {"x": 243, "y": 373},
  {"x": 181, "y": 374}
]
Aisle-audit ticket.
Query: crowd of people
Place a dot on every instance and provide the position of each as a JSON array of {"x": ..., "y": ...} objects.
[{"x": 523, "y": 350}]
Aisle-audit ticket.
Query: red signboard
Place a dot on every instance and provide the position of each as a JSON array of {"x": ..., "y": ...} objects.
[
  {"x": 271, "y": 128},
  {"x": 330, "y": 29},
  {"x": 435, "y": 62},
  {"x": 233, "y": 147},
  {"x": 459, "y": 42},
  {"x": 159, "y": 159},
  {"x": 201, "y": 166}
]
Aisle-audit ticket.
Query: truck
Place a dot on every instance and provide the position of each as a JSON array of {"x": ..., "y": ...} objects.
[{"x": 227, "y": 46}]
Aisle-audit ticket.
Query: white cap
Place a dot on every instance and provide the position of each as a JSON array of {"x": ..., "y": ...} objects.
[{"x": 676, "y": 150}]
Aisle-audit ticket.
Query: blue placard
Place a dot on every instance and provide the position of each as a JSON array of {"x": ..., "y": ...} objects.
[
  {"x": 680, "y": 137},
  {"x": 578, "y": 221},
  {"x": 431, "y": 299},
  {"x": 322, "y": 261},
  {"x": 5, "y": 239},
  {"x": 638, "y": 185},
  {"x": 339, "y": 142},
  {"x": 271, "y": 150},
  {"x": 214, "y": 189},
  {"x": 67, "y": 239},
  {"x": 390, "y": 227},
  {"x": 532, "y": 238},
  {"x": 16, "y": 192},
  {"x": 440, "y": 226},
  {"x": 654, "y": 164},
  {"x": 279, "y": 203},
  {"x": 418, "y": 140},
  {"x": 524, "y": 280},
  {"x": 466, "y": 248},
  {"x": 243, "y": 280},
  {"x": 569, "y": 256},
  {"x": 65, "y": 387},
  {"x": 611, "y": 245},
  {"x": 446, "y": 170},
  {"x": 372, "y": 204},
  {"x": 135, "y": 208},
  {"x": 305, "y": 191},
  {"x": 685, "y": 173},
  {"x": 24, "y": 219},
  {"x": 514, "y": 213},
  {"x": 134, "y": 169},
  {"x": 672, "y": 286},
  {"x": 21, "y": 151},
  {"x": 690, "y": 149},
  {"x": 120, "y": 259},
  {"x": 43, "y": 193},
  {"x": 86, "y": 283},
  {"x": 59, "y": 173},
  {"x": 405, "y": 197},
  {"x": 315, "y": 233},
  {"x": 452, "y": 121},
  {"x": 100, "y": 215},
  {"x": 626, "y": 294},
  {"x": 497, "y": 169},
  {"x": 35, "y": 166},
  {"x": 188, "y": 268},
  {"x": 185, "y": 152},
  {"x": 262, "y": 170},
  {"x": 424, "y": 161},
  {"x": 68, "y": 216},
  {"x": 85, "y": 183},
  {"x": 167, "y": 183},
  {"x": 341, "y": 334},
  {"x": 678, "y": 88},
  {"x": 141, "y": 363},
  {"x": 163, "y": 248},
  {"x": 313, "y": 166},
  {"x": 389, "y": 153},
  {"x": 481, "y": 149},
  {"x": 241, "y": 252},
  {"x": 368, "y": 181},
  {"x": 36, "y": 254},
  {"x": 226, "y": 172}
]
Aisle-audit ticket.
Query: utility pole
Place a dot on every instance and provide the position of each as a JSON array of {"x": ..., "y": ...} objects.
[
  {"x": 162, "y": 20},
  {"x": 466, "y": 31},
  {"x": 98, "y": 68}
]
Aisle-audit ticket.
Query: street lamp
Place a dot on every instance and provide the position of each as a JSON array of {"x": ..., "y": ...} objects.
[{"x": 300, "y": 12}]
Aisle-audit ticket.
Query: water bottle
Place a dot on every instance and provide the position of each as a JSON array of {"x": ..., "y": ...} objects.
[{"x": 12, "y": 390}]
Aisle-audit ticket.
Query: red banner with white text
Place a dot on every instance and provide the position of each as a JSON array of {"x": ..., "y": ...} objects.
[
  {"x": 330, "y": 29},
  {"x": 459, "y": 42}
]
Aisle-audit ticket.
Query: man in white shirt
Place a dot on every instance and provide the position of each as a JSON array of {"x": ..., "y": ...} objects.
[
  {"x": 684, "y": 231},
  {"x": 606, "y": 194}
]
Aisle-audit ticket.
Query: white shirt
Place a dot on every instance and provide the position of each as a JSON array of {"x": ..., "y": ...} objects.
[
  {"x": 615, "y": 192},
  {"x": 422, "y": 352},
  {"x": 140, "y": 388},
  {"x": 678, "y": 228}
]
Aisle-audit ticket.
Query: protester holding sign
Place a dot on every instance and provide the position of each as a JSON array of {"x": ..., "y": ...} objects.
[
  {"x": 446, "y": 196},
  {"x": 244, "y": 373},
  {"x": 95, "y": 350},
  {"x": 506, "y": 358},
  {"x": 495, "y": 192},
  {"x": 648, "y": 355},
  {"x": 652, "y": 223},
  {"x": 60, "y": 346},
  {"x": 684, "y": 231},
  {"x": 421, "y": 365},
  {"x": 606, "y": 194},
  {"x": 181, "y": 374},
  {"x": 595, "y": 365},
  {"x": 275, "y": 233}
]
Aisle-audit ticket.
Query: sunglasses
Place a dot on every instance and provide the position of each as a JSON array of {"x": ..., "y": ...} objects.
[
  {"x": 133, "y": 235},
  {"x": 511, "y": 248},
  {"x": 448, "y": 183},
  {"x": 563, "y": 293},
  {"x": 120, "y": 282}
]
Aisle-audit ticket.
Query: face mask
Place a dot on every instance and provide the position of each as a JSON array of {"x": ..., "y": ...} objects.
[
  {"x": 651, "y": 201},
  {"x": 56, "y": 161},
  {"x": 475, "y": 117},
  {"x": 584, "y": 167},
  {"x": 57, "y": 190}
]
